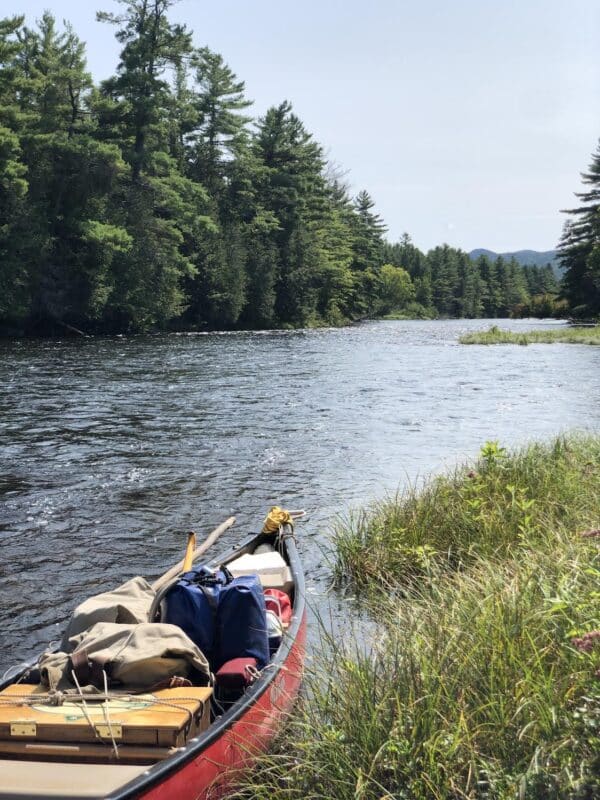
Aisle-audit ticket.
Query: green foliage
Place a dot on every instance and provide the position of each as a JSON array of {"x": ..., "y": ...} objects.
[
  {"x": 220, "y": 130},
  {"x": 148, "y": 202},
  {"x": 395, "y": 288},
  {"x": 543, "y": 305},
  {"x": 140, "y": 92},
  {"x": 579, "y": 251},
  {"x": 13, "y": 183},
  {"x": 450, "y": 284},
  {"x": 413, "y": 310}
]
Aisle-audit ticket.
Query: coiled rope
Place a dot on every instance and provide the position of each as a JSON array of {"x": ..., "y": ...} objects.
[{"x": 278, "y": 517}]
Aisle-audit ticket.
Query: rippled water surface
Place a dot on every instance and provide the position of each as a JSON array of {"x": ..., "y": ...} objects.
[{"x": 112, "y": 448}]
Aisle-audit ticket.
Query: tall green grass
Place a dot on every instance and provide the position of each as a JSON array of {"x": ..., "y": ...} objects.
[
  {"x": 495, "y": 335},
  {"x": 483, "y": 678},
  {"x": 497, "y": 506}
]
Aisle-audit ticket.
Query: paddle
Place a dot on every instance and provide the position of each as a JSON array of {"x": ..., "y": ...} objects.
[
  {"x": 192, "y": 554},
  {"x": 189, "y": 552}
]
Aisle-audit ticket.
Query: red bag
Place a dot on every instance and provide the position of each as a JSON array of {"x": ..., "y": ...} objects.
[
  {"x": 237, "y": 674},
  {"x": 279, "y": 602}
]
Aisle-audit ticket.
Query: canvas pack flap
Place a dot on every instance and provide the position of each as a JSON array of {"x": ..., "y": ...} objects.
[{"x": 127, "y": 604}]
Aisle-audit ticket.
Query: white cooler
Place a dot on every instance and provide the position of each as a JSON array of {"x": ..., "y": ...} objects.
[{"x": 270, "y": 567}]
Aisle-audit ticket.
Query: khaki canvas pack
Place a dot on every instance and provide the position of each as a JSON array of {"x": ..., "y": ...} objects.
[{"x": 109, "y": 638}]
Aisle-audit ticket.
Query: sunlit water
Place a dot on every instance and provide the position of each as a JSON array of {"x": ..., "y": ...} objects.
[{"x": 111, "y": 449}]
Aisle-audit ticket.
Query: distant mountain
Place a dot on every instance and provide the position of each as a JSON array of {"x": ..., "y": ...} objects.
[{"x": 524, "y": 257}]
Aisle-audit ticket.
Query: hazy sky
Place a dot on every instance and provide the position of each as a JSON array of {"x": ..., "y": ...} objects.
[{"x": 468, "y": 121}]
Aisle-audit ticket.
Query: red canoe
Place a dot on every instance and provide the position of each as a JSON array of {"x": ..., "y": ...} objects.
[{"x": 206, "y": 766}]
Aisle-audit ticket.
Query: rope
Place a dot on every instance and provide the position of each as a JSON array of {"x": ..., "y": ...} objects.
[
  {"x": 254, "y": 673},
  {"x": 107, "y": 716},
  {"x": 84, "y": 706},
  {"x": 275, "y": 519}
]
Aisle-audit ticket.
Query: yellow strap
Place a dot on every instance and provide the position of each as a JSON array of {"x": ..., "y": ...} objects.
[{"x": 277, "y": 516}]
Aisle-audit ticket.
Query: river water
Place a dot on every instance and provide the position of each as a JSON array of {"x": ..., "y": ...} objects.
[{"x": 112, "y": 448}]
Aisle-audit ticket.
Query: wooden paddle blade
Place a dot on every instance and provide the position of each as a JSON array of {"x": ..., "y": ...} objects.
[
  {"x": 172, "y": 573},
  {"x": 189, "y": 553}
]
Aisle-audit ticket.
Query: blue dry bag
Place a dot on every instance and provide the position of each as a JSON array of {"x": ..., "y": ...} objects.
[
  {"x": 192, "y": 604},
  {"x": 242, "y": 621},
  {"x": 225, "y": 617}
]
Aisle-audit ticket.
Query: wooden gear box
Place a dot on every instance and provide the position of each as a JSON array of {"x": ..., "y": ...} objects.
[{"x": 164, "y": 719}]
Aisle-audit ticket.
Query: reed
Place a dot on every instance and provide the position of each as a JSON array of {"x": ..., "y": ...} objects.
[
  {"x": 495, "y": 335},
  {"x": 482, "y": 678},
  {"x": 474, "y": 690}
]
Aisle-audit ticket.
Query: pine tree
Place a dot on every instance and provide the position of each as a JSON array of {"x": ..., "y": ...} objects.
[
  {"x": 151, "y": 46},
  {"x": 14, "y": 300},
  {"x": 167, "y": 215},
  {"x": 217, "y": 146},
  {"x": 579, "y": 249},
  {"x": 470, "y": 300},
  {"x": 66, "y": 240},
  {"x": 183, "y": 117},
  {"x": 443, "y": 262},
  {"x": 404, "y": 254},
  {"x": 547, "y": 281},
  {"x": 368, "y": 246},
  {"x": 518, "y": 287},
  {"x": 221, "y": 126},
  {"x": 262, "y": 268},
  {"x": 146, "y": 201},
  {"x": 291, "y": 186},
  {"x": 368, "y": 235},
  {"x": 490, "y": 286},
  {"x": 540, "y": 280}
]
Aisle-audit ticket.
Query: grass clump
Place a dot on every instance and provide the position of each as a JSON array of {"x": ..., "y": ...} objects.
[
  {"x": 474, "y": 690},
  {"x": 495, "y": 335},
  {"x": 496, "y": 507},
  {"x": 483, "y": 679}
]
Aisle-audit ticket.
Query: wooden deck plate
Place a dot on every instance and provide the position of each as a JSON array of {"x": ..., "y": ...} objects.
[{"x": 185, "y": 712}]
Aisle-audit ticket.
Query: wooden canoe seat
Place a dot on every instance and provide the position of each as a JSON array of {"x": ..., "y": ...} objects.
[{"x": 44, "y": 781}]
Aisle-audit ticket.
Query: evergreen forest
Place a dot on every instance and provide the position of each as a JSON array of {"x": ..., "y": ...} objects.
[{"x": 154, "y": 200}]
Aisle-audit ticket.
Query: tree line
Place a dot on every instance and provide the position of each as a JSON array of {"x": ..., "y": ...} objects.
[
  {"x": 153, "y": 200},
  {"x": 446, "y": 282}
]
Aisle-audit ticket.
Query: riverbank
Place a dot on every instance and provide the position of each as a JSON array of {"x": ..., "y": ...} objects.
[
  {"x": 495, "y": 335},
  {"x": 483, "y": 679}
]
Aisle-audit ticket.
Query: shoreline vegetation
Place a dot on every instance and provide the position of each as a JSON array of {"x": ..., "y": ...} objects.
[
  {"x": 483, "y": 677},
  {"x": 573, "y": 335},
  {"x": 154, "y": 200}
]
